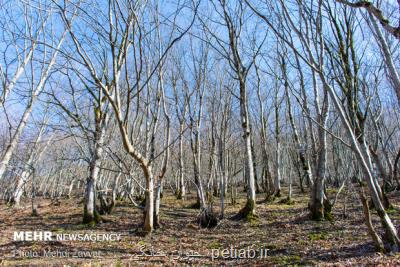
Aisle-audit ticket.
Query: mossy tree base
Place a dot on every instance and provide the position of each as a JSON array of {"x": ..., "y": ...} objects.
[
  {"x": 270, "y": 197},
  {"x": 385, "y": 201},
  {"x": 216, "y": 192},
  {"x": 207, "y": 218},
  {"x": 147, "y": 230},
  {"x": 317, "y": 214},
  {"x": 389, "y": 237},
  {"x": 321, "y": 212},
  {"x": 12, "y": 203},
  {"x": 91, "y": 219},
  {"x": 106, "y": 205},
  {"x": 328, "y": 210},
  {"x": 247, "y": 212},
  {"x": 156, "y": 221},
  {"x": 287, "y": 201},
  {"x": 35, "y": 213},
  {"x": 107, "y": 209},
  {"x": 179, "y": 194}
]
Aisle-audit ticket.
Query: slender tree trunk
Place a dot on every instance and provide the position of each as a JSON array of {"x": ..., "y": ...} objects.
[
  {"x": 318, "y": 207},
  {"x": 361, "y": 152},
  {"x": 305, "y": 164},
  {"x": 149, "y": 208},
  {"x": 222, "y": 191},
  {"x": 392, "y": 70},
  {"x": 290, "y": 187},
  {"x": 16, "y": 197},
  {"x": 115, "y": 189},
  {"x": 196, "y": 149},
  {"x": 5, "y": 159},
  {"x": 157, "y": 203},
  {"x": 277, "y": 181},
  {"x": 181, "y": 190},
  {"x": 241, "y": 73},
  {"x": 222, "y": 166},
  {"x": 90, "y": 214},
  {"x": 371, "y": 230},
  {"x": 71, "y": 187},
  {"x": 253, "y": 151},
  {"x": 249, "y": 209},
  {"x": 33, "y": 157}
]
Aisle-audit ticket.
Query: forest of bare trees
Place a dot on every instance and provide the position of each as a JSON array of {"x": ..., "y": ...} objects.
[{"x": 226, "y": 108}]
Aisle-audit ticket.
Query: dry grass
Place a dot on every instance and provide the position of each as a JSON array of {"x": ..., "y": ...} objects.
[{"x": 285, "y": 230}]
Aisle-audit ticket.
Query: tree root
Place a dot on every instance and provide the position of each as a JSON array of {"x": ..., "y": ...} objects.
[
  {"x": 89, "y": 219},
  {"x": 207, "y": 218},
  {"x": 247, "y": 212}
]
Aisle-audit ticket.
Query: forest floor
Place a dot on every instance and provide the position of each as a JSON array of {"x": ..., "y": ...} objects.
[{"x": 284, "y": 231}]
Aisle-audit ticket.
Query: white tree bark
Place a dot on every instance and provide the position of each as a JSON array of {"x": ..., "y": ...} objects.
[
  {"x": 33, "y": 157},
  {"x": 90, "y": 215},
  {"x": 5, "y": 159},
  {"x": 387, "y": 55}
]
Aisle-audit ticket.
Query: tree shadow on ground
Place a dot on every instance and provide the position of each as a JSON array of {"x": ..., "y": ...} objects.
[{"x": 344, "y": 252}]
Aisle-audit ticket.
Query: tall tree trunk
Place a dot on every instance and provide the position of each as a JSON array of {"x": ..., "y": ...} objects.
[
  {"x": 253, "y": 151},
  {"x": 277, "y": 181},
  {"x": 361, "y": 152},
  {"x": 149, "y": 208},
  {"x": 16, "y": 197},
  {"x": 305, "y": 164},
  {"x": 319, "y": 205},
  {"x": 392, "y": 70},
  {"x": 157, "y": 203},
  {"x": 249, "y": 209},
  {"x": 181, "y": 191},
  {"x": 371, "y": 230},
  {"x": 90, "y": 214},
  {"x": 33, "y": 157},
  {"x": 6, "y": 157}
]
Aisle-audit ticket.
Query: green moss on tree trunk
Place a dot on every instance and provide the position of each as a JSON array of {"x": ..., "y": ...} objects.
[
  {"x": 317, "y": 212},
  {"x": 247, "y": 211},
  {"x": 91, "y": 219},
  {"x": 179, "y": 194},
  {"x": 320, "y": 212}
]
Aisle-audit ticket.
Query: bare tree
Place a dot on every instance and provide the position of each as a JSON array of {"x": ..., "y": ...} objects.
[
  {"x": 51, "y": 49},
  {"x": 377, "y": 13}
]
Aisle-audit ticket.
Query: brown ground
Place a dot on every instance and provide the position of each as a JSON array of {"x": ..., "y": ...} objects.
[{"x": 283, "y": 229}]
